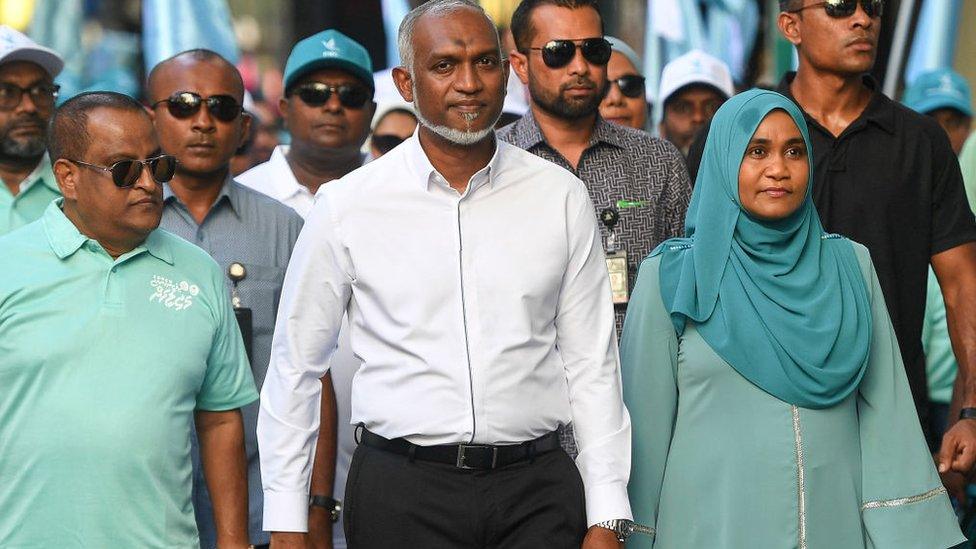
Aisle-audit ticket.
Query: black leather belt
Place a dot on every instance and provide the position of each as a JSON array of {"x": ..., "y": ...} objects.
[{"x": 464, "y": 456}]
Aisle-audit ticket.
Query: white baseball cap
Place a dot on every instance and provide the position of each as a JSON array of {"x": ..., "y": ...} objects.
[
  {"x": 695, "y": 67},
  {"x": 15, "y": 46}
]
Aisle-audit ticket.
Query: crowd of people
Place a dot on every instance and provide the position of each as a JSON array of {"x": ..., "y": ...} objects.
[{"x": 399, "y": 328}]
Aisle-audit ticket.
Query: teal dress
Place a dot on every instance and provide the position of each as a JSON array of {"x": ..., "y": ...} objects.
[{"x": 718, "y": 463}]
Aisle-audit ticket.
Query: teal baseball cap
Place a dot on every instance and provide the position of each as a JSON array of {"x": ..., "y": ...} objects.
[
  {"x": 329, "y": 48},
  {"x": 939, "y": 89}
]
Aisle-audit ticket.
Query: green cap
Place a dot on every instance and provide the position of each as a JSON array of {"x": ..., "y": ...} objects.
[{"x": 329, "y": 48}]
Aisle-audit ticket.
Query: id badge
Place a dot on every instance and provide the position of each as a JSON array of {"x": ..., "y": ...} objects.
[
  {"x": 246, "y": 325},
  {"x": 617, "y": 266}
]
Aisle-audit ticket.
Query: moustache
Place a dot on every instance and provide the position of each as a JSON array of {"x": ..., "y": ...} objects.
[{"x": 579, "y": 83}]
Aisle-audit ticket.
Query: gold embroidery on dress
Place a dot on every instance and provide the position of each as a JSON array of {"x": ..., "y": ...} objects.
[{"x": 904, "y": 501}]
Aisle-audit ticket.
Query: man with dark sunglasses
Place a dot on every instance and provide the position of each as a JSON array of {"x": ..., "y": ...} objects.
[
  {"x": 196, "y": 107},
  {"x": 114, "y": 337},
  {"x": 638, "y": 184},
  {"x": 886, "y": 177},
  {"x": 327, "y": 107},
  {"x": 27, "y": 96}
]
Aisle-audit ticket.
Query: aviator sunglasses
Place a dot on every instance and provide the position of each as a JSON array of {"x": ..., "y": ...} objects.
[
  {"x": 631, "y": 85},
  {"x": 184, "y": 104},
  {"x": 558, "y": 53},
  {"x": 846, "y": 8},
  {"x": 125, "y": 173},
  {"x": 316, "y": 94}
]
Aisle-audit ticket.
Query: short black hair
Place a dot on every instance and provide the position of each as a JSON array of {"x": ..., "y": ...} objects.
[
  {"x": 68, "y": 135},
  {"x": 202, "y": 55},
  {"x": 522, "y": 31},
  {"x": 790, "y": 5}
]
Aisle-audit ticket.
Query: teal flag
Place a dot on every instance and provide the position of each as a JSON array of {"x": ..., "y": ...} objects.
[
  {"x": 172, "y": 26},
  {"x": 57, "y": 24},
  {"x": 934, "y": 44}
]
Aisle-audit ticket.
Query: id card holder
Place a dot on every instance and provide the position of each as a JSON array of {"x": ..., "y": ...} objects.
[
  {"x": 617, "y": 267},
  {"x": 246, "y": 324}
]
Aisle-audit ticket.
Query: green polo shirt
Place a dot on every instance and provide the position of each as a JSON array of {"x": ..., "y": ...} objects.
[
  {"x": 36, "y": 193},
  {"x": 102, "y": 364}
]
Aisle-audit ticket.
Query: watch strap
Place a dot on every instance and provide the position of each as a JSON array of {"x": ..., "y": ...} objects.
[
  {"x": 329, "y": 503},
  {"x": 967, "y": 413}
]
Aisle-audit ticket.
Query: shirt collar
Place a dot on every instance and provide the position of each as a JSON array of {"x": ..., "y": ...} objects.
[
  {"x": 65, "y": 239},
  {"x": 284, "y": 184},
  {"x": 880, "y": 110},
  {"x": 527, "y": 133},
  {"x": 229, "y": 192},
  {"x": 42, "y": 173},
  {"x": 425, "y": 172}
]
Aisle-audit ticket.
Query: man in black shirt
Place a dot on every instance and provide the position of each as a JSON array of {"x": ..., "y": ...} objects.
[{"x": 886, "y": 177}]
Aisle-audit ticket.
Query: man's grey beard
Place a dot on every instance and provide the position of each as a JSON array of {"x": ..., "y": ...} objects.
[
  {"x": 29, "y": 149},
  {"x": 465, "y": 138}
]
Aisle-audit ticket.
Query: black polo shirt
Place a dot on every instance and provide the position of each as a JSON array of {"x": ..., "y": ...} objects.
[{"x": 891, "y": 182}]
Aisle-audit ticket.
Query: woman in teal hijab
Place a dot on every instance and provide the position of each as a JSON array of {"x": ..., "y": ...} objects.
[{"x": 769, "y": 403}]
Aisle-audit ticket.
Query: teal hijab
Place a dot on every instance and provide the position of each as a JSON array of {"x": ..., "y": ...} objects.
[{"x": 783, "y": 303}]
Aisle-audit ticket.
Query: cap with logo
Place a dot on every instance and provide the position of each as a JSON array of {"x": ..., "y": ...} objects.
[
  {"x": 695, "y": 67},
  {"x": 329, "y": 48},
  {"x": 15, "y": 46},
  {"x": 939, "y": 89}
]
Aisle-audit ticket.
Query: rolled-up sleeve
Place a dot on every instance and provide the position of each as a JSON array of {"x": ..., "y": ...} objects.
[
  {"x": 587, "y": 343},
  {"x": 315, "y": 294}
]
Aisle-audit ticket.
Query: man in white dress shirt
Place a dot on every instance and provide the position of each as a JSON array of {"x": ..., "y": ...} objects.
[
  {"x": 479, "y": 304},
  {"x": 327, "y": 106}
]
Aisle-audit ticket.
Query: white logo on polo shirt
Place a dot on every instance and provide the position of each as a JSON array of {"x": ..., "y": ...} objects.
[{"x": 177, "y": 296}]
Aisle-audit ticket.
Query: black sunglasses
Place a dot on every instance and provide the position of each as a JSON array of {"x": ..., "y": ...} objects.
[
  {"x": 631, "y": 85},
  {"x": 846, "y": 8},
  {"x": 316, "y": 94},
  {"x": 184, "y": 104},
  {"x": 558, "y": 53},
  {"x": 125, "y": 173}
]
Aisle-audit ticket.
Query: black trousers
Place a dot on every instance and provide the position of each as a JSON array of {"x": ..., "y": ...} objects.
[{"x": 391, "y": 501}]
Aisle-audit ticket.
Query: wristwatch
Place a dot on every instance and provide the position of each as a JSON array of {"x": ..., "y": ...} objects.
[
  {"x": 624, "y": 528},
  {"x": 967, "y": 413},
  {"x": 329, "y": 503}
]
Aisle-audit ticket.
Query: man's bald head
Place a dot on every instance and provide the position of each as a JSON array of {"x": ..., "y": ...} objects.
[{"x": 189, "y": 59}]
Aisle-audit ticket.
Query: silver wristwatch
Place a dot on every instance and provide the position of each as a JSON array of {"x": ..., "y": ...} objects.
[{"x": 624, "y": 528}]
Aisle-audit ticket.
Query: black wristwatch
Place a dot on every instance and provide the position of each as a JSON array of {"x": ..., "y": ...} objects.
[
  {"x": 967, "y": 413},
  {"x": 329, "y": 503}
]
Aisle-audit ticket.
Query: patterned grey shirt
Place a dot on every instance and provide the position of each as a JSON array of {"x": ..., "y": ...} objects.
[
  {"x": 246, "y": 227},
  {"x": 642, "y": 177}
]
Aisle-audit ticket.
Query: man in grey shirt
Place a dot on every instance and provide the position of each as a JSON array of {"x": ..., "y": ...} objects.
[
  {"x": 638, "y": 184},
  {"x": 196, "y": 106}
]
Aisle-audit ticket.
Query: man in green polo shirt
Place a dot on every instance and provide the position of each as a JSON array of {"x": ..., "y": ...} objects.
[
  {"x": 114, "y": 336},
  {"x": 27, "y": 94}
]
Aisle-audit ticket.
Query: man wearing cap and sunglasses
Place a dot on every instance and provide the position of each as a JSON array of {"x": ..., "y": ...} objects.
[
  {"x": 195, "y": 100},
  {"x": 327, "y": 107},
  {"x": 27, "y": 96},
  {"x": 114, "y": 337}
]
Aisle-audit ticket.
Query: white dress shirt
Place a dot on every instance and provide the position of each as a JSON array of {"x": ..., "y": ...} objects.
[
  {"x": 275, "y": 179},
  {"x": 481, "y": 317}
]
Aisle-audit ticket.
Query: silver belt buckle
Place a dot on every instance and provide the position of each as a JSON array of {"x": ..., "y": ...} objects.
[{"x": 460, "y": 463}]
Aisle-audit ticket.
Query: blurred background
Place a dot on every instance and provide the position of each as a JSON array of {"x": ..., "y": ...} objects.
[{"x": 108, "y": 44}]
